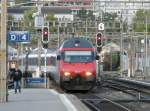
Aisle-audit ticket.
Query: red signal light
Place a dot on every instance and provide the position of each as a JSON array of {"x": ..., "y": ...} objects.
[
  {"x": 99, "y": 39},
  {"x": 45, "y": 35}
]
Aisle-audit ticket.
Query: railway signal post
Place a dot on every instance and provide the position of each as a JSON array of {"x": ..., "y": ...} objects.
[
  {"x": 99, "y": 37},
  {"x": 99, "y": 41},
  {"x": 45, "y": 36}
]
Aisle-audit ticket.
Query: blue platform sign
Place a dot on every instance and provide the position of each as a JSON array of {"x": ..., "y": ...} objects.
[
  {"x": 24, "y": 37},
  {"x": 18, "y": 36},
  {"x": 35, "y": 80},
  {"x": 12, "y": 37}
]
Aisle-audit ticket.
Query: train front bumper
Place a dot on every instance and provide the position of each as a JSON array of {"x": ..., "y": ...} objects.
[
  {"x": 78, "y": 83},
  {"x": 78, "y": 79}
]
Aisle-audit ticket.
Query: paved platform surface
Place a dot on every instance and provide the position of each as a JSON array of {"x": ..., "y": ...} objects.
[{"x": 41, "y": 100}]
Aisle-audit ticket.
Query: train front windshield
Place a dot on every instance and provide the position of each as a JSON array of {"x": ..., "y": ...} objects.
[{"x": 78, "y": 56}]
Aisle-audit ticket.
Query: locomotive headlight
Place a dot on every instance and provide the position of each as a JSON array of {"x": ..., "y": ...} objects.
[
  {"x": 88, "y": 73},
  {"x": 66, "y": 74}
]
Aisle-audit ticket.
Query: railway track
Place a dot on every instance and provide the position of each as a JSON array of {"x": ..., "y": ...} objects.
[
  {"x": 100, "y": 103},
  {"x": 140, "y": 91},
  {"x": 104, "y": 105},
  {"x": 132, "y": 95}
]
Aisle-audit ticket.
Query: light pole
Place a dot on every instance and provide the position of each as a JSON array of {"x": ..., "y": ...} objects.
[
  {"x": 3, "y": 50},
  {"x": 86, "y": 28},
  {"x": 120, "y": 19},
  {"x": 39, "y": 23},
  {"x": 146, "y": 60},
  {"x": 45, "y": 69},
  {"x": 58, "y": 33},
  {"x": 121, "y": 45}
]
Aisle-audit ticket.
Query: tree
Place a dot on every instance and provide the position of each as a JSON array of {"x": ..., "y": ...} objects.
[
  {"x": 9, "y": 22},
  {"x": 34, "y": 40},
  {"x": 52, "y": 20},
  {"x": 112, "y": 21},
  {"x": 10, "y": 17},
  {"x": 90, "y": 15},
  {"x": 139, "y": 21},
  {"x": 109, "y": 16},
  {"x": 29, "y": 20},
  {"x": 29, "y": 24},
  {"x": 50, "y": 17},
  {"x": 82, "y": 13}
]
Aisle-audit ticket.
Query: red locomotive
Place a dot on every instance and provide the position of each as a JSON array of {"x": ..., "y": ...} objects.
[{"x": 75, "y": 65}]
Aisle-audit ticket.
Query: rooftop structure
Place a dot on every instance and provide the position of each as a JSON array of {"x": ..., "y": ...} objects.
[{"x": 124, "y": 8}]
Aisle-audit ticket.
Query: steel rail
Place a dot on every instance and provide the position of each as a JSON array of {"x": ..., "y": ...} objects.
[
  {"x": 90, "y": 105},
  {"x": 124, "y": 87},
  {"x": 101, "y": 104},
  {"x": 117, "y": 104},
  {"x": 120, "y": 89},
  {"x": 136, "y": 85}
]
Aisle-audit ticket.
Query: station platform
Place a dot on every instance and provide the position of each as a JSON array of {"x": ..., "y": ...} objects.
[{"x": 42, "y": 100}]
